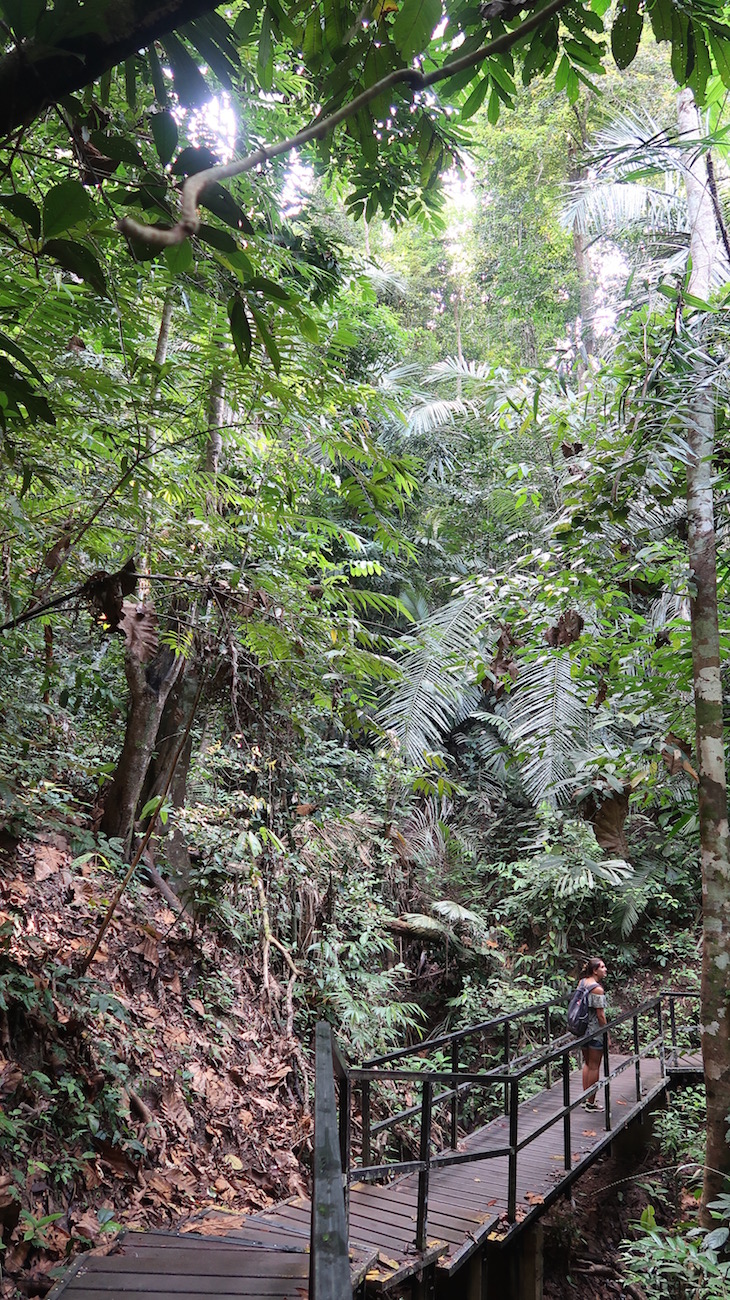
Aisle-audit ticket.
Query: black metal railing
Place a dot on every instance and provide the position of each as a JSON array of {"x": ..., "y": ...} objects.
[
  {"x": 329, "y": 1261},
  {"x": 501, "y": 1088},
  {"x": 684, "y": 1028}
]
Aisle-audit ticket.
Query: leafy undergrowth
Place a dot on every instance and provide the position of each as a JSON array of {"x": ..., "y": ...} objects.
[{"x": 152, "y": 1088}]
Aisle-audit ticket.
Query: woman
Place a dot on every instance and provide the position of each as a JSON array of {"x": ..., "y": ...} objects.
[{"x": 591, "y": 977}]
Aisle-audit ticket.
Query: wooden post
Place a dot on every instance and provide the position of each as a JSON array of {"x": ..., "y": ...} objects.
[
  {"x": 424, "y": 1154},
  {"x": 329, "y": 1263},
  {"x": 607, "y": 1087}
]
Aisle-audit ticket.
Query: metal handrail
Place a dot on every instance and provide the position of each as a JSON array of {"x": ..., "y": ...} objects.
[
  {"x": 509, "y": 1074},
  {"x": 458, "y": 1035}
]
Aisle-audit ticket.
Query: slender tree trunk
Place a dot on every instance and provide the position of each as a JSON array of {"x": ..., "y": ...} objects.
[
  {"x": 714, "y": 838},
  {"x": 215, "y": 420},
  {"x": 181, "y": 698}
]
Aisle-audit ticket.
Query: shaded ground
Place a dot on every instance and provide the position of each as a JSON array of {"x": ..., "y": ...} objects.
[
  {"x": 583, "y": 1235},
  {"x": 154, "y": 1086}
]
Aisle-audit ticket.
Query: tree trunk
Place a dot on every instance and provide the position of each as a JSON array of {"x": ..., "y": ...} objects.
[
  {"x": 714, "y": 839},
  {"x": 149, "y": 688},
  {"x": 179, "y": 704}
]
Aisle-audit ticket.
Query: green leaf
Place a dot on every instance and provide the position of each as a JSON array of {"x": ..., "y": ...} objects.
[
  {"x": 265, "y": 61},
  {"x": 600, "y": 6},
  {"x": 660, "y": 14},
  {"x": 626, "y": 32},
  {"x": 268, "y": 288},
  {"x": 130, "y": 82},
  {"x": 245, "y": 23},
  {"x": 7, "y": 345},
  {"x": 476, "y": 99},
  {"x": 414, "y": 25},
  {"x": 117, "y": 147},
  {"x": 63, "y": 207},
  {"x": 179, "y": 257},
  {"x": 720, "y": 47},
  {"x": 680, "y": 47},
  {"x": 25, "y": 210},
  {"x": 79, "y": 260},
  {"x": 267, "y": 337},
  {"x": 240, "y": 330},
  {"x": 164, "y": 134},
  {"x": 190, "y": 84},
  {"x": 22, "y": 15},
  {"x": 216, "y": 238}
]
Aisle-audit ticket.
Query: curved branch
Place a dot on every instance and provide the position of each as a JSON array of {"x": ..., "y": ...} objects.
[{"x": 195, "y": 185}]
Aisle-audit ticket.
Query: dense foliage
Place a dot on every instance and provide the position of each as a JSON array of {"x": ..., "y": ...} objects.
[{"x": 344, "y": 566}]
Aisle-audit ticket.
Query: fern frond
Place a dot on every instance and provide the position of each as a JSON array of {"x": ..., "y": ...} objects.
[
  {"x": 435, "y": 692},
  {"x": 549, "y": 724}
]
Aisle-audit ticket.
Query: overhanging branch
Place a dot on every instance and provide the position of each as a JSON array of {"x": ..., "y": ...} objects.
[{"x": 195, "y": 185}]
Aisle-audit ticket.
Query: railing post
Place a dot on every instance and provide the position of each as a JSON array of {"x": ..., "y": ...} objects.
[
  {"x": 329, "y": 1263},
  {"x": 514, "y": 1102},
  {"x": 366, "y": 1122},
  {"x": 548, "y": 1069},
  {"x": 567, "y": 1157},
  {"x": 660, "y": 1031},
  {"x": 606, "y": 1086},
  {"x": 637, "y": 1063},
  {"x": 505, "y": 1036},
  {"x": 673, "y": 1029},
  {"x": 424, "y": 1155},
  {"x": 345, "y": 1135},
  {"x": 455, "y": 1098}
]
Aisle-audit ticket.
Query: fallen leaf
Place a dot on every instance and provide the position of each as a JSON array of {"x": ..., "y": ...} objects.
[
  {"x": 533, "y": 1198},
  {"x": 234, "y": 1162},
  {"x": 589, "y": 1133}
]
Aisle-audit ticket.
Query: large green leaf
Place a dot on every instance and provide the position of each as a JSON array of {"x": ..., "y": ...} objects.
[
  {"x": 414, "y": 25},
  {"x": 23, "y": 207},
  {"x": 240, "y": 330},
  {"x": 626, "y": 32},
  {"x": 79, "y": 260},
  {"x": 164, "y": 134},
  {"x": 64, "y": 206}
]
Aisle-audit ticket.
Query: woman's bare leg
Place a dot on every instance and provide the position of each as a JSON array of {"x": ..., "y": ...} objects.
[{"x": 592, "y": 1057}]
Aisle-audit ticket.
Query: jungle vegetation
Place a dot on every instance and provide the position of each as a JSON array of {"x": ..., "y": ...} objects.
[{"x": 363, "y": 450}]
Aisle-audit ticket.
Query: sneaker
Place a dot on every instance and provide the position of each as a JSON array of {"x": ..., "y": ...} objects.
[{"x": 592, "y": 1105}]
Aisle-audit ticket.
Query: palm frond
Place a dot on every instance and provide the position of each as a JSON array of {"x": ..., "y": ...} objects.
[
  {"x": 435, "y": 692},
  {"x": 609, "y": 207},
  {"x": 549, "y": 724}
]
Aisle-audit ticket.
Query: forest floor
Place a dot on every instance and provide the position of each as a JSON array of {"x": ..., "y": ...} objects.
[
  {"x": 153, "y": 1087},
  {"x": 584, "y": 1232}
]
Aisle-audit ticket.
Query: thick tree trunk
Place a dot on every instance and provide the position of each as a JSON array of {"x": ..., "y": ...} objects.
[
  {"x": 149, "y": 688},
  {"x": 38, "y": 73},
  {"x": 714, "y": 838}
]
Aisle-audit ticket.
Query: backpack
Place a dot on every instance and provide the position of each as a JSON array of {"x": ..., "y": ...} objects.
[{"x": 578, "y": 1012}]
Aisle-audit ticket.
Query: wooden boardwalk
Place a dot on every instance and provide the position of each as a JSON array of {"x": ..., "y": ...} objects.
[
  {"x": 261, "y": 1261},
  {"x": 456, "y": 1201},
  {"x": 467, "y": 1204}
]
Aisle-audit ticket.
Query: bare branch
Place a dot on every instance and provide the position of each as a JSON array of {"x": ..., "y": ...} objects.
[{"x": 195, "y": 185}]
